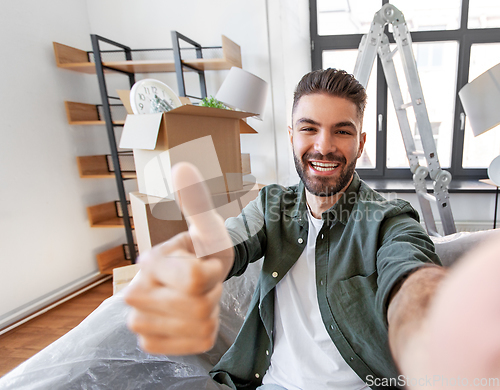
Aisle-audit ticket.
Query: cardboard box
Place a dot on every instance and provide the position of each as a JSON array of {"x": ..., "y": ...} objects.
[
  {"x": 207, "y": 137},
  {"x": 158, "y": 219},
  {"x": 122, "y": 277}
]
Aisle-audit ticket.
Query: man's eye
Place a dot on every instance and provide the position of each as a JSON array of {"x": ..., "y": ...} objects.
[
  {"x": 344, "y": 132},
  {"x": 306, "y": 129}
]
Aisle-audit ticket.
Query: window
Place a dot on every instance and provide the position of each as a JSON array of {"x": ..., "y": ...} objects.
[
  {"x": 436, "y": 64},
  {"x": 454, "y": 41}
]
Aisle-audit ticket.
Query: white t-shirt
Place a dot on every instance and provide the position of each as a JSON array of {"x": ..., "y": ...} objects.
[{"x": 304, "y": 355}]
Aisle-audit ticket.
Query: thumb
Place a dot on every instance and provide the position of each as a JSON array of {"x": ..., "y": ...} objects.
[{"x": 206, "y": 226}]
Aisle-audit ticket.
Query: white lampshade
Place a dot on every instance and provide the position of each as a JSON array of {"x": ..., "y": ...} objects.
[
  {"x": 481, "y": 101},
  {"x": 244, "y": 91}
]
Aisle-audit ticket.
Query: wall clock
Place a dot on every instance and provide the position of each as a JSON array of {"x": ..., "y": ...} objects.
[{"x": 146, "y": 95}]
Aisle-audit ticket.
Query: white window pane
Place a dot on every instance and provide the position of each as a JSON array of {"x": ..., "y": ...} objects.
[
  {"x": 346, "y": 59},
  {"x": 437, "y": 66},
  {"x": 484, "y": 14},
  {"x": 427, "y": 15},
  {"x": 481, "y": 150},
  {"x": 336, "y": 17}
]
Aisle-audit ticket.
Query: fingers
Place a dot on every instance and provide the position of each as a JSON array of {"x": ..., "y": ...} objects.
[
  {"x": 178, "y": 269},
  {"x": 169, "y": 301},
  {"x": 206, "y": 227},
  {"x": 171, "y": 320},
  {"x": 174, "y": 336},
  {"x": 151, "y": 324}
]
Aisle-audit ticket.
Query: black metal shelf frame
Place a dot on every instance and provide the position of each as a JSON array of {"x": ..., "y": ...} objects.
[
  {"x": 106, "y": 108},
  {"x": 179, "y": 65},
  {"x": 106, "y": 105}
]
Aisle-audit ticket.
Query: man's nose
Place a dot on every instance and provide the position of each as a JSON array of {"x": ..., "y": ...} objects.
[{"x": 324, "y": 143}]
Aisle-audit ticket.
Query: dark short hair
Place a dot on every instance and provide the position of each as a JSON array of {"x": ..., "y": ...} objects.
[{"x": 334, "y": 82}]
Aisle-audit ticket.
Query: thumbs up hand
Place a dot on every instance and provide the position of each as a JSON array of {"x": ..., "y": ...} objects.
[{"x": 175, "y": 297}]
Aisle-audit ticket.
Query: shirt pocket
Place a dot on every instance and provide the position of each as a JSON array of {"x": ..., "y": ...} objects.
[
  {"x": 354, "y": 308},
  {"x": 354, "y": 303},
  {"x": 358, "y": 285}
]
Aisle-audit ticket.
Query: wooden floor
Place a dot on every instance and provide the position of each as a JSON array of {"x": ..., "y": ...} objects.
[{"x": 26, "y": 340}]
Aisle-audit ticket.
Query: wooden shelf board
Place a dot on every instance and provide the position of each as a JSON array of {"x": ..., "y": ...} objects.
[
  {"x": 109, "y": 270},
  {"x": 109, "y": 175},
  {"x": 112, "y": 258},
  {"x": 210, "y": 64},
  {"x": 115, "y": 222},
  {"x": 143, "y": 66},
  {"x": 87, "y": 123},
  {"x": 151, "y": 66},
  {"x": 83, "y": 67},
  {"x": 96, "y": 167},
  {"x": 85, "y": 114}
]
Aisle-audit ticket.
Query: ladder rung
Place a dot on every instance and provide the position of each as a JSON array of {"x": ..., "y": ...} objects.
[
  {"x": 418, "y": 153},
  {"x": 405, "y": 106}
]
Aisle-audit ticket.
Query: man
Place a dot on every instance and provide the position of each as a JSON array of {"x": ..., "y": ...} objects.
[{"x": 341, "y": 263}]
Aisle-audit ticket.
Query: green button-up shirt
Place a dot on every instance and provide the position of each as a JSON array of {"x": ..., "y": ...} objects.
[{"x": 366, "y": 245}]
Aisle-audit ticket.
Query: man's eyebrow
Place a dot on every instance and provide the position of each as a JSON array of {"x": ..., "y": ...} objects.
[
  {"x": 307, "y": 120},
  {"x": 346, "y": 124}
]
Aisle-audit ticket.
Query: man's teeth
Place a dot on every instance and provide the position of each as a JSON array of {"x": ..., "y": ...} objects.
[{"x": 324, "y": 166}]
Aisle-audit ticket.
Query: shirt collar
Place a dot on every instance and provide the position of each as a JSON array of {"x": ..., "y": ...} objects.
[{"x": 341, "y": 211}]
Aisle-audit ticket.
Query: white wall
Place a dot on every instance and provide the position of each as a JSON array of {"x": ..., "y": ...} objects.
[{"x": 45, "y": 239}]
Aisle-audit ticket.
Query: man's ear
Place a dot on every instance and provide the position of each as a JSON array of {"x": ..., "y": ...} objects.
[
  {"x": 362, "y": 140},
  {"x": 290, "y": 134}
]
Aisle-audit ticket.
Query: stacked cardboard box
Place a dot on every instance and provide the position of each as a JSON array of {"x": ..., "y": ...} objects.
[{"x": 207, "y": 137}]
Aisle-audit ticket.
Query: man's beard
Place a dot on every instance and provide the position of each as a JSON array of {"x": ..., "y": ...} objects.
[{"x": 320, "y": 186}]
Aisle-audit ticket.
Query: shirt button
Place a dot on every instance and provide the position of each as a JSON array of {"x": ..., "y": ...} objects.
[
  {"x": 275, "y": 274},
  {"x": 321, "y": 282},
  {"x": 300, "y": 240},
  {"x": 331, "y": 327},
  {"x": 257, "y": 375},
  {"x": 352, "y": 358},
  {"x": 267, "y": 352},
  {"x": 322, "y": 236}
]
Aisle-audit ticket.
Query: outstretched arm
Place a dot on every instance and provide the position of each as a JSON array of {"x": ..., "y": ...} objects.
[
  {"x": 444, "y": 325},
  {"x": 409, "y": 306}
]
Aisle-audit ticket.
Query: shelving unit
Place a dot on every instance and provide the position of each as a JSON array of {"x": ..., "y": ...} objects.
[{"x": 117, "y": 164}]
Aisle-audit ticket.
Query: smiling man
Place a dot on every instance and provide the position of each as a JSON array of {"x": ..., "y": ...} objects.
[{"x": 341, "y": 264}]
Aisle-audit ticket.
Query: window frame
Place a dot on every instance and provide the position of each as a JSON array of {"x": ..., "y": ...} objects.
[{"x": 464, "y": 37}]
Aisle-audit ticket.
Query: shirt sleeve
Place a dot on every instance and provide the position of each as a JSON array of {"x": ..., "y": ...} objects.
[
  {"x": 404, "y": 248},
  {"x": 247, "y": 231}
]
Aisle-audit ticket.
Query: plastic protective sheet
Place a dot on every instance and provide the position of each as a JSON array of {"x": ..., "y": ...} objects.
[{"x": 101, "y": 353}]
